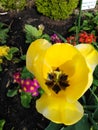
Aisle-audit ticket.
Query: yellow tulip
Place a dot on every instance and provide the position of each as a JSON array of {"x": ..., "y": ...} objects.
[{"x": 65, "y": 73}]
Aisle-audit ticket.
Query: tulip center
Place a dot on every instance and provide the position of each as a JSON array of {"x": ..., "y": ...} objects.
[{"x": 57, "y": 80}]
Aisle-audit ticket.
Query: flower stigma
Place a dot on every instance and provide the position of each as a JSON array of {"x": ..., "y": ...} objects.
[{"x": 57, "y": 80}]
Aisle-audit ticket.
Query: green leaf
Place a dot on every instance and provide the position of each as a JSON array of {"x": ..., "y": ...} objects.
[
  {"x": 95, "y": 115},
  {"x": 26, "y": 74},
  {"x": 12, "y": 93},
  {"x": 72, "y": 29},
  {"x": 26, "y": 99},
  {"x": 23, "y": 57},
  {"x": 1, "y": 25},
  {"x": 95, "y": 82},
  {"x": 13, "y": 50},
  {"x": 83, "y": 124},
  {"x": 2, "y": 122},
  {"x": 96, "y": 72},
  {"x": 72, "y": 127},
  {"x": 46, "y": 36},
  {"x": 89, "y": 15},
  {"x": 9, "y": 56},
  {"x": 54, "y": 126},
  {"x": 32, "y": 31}
]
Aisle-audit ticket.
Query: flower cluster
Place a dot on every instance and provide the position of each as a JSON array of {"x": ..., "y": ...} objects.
[
  {"x": 84, "y": 37},
  {"x": 27, "y": 85},
  {"x": 55, "y": 38},
  {"x": 71, "y": 40},
  {"x": 3, "y": 52}
]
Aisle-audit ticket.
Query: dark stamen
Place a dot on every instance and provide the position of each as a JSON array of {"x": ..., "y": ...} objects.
[
  {"x": 63, "y": 84},
  {"x": 57, "y": 80},
  {"x": 63, "y": 77},
  {"x": 51, "y": 76},
  {"x": 49, "y": 83},
  {"x": 56, "y": 88},
  {"x": 57, "y": 69}
]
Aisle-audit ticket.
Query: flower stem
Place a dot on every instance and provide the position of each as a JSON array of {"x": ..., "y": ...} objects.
[{"x": 79, "y": 22}]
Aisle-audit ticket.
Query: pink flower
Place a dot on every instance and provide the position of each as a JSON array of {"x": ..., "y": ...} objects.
[
  {"x": 27, "y": 85},
  {"x": 55, "y": 38},
  {"x": 17, "y": 77},
  {"x": 30, "y": 86}
]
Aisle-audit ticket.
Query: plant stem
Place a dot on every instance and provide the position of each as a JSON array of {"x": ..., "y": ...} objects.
[{"x": 79, "y": 23}]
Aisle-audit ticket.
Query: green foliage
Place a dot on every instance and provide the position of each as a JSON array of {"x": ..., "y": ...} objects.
[
  {"x": 3, "y": 33},
  {"x": 11, "y": 53},
  {"x": 56, "y": 9},
  {"x": 26, "y": 74},
  {"x": 26, "y": 99},
  {"x": 12, "y": 4},
  {"x": 32, "y": 33},
  {"x": 83, "y": 124},
  {"x": 2, "y": 122},
  {"x": 12, "y": 92},
  {"x": 89, "y": 23}
]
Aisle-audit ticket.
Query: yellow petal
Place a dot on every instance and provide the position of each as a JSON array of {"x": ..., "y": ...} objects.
[
  {"x": 59, "y": 110},
  {"x": 73, "y": 64},
  {"x": 90, "y": 54},
  {"x": 35, "y": 59}
]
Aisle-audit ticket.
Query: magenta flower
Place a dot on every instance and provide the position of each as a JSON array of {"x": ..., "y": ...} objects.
[
  {"x": 27, "y": 85},
  {"x": 17, "y": 77},
  {"x": 30, "y": 86},
  {"x": 55, "y": 38}
]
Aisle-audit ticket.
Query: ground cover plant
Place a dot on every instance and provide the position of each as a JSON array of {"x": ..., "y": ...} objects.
[{"x": 33, "y": 92}]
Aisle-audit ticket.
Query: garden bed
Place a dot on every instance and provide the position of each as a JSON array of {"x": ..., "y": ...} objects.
[{"x": 11, "y": 110}]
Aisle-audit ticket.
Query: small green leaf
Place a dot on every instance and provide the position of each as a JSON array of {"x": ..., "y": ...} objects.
[
  {"x": 89, "y": 15},
  {"x": 95, "y": 82},
  {"x": 13, "y": 50},
  {"x": 26, "y": 74},
  {"x": 32, "y": 31},
  {"x": 2, "y": 122},
  {"x": 72, "y": 29},
  {"x": 23, "y": 57},
  {"x": 54, "y": 126},
  {"x": 9, "y": 56},
  {"x": 12, "y": 93},
  {"x": 46, "y": 36},
  {"x": 26, "y": 99}
]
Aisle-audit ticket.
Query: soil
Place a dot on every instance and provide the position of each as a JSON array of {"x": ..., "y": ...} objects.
[{"x": 17, "y": 117}]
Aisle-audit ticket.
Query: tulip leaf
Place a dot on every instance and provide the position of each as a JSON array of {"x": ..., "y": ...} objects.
[
  {"x": 54, "y": 126},
  {"x": 96, "y": 72},
  {"x": 2, "y": 122},
  {"x": 26, "y": 99},
  {"x": 83, "y": 124},
  {"x": 72, "y": 127},
  {"x": 26, "y": 74},
  {"x": 95, "y": 115},
  {"x": 95, "y": 82}
]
